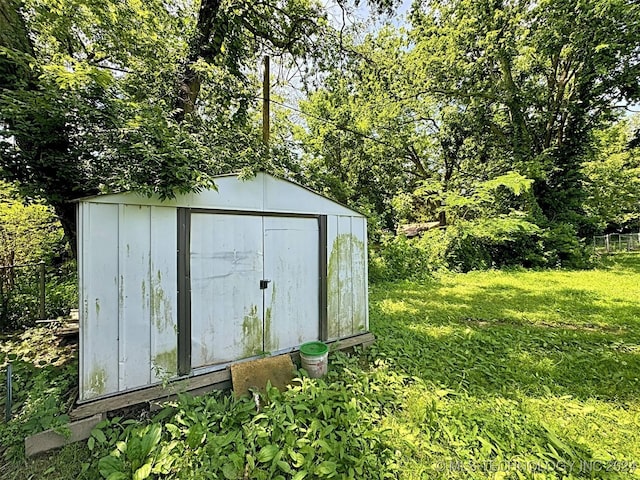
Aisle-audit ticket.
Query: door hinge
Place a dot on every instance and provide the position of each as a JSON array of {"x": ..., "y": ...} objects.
[{"x": 264, "y": 284}]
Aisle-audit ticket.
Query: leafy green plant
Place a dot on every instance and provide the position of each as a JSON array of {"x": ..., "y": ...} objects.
[
  {"x": 316, "y": 429},
  {"x": 44, "y": 375}
]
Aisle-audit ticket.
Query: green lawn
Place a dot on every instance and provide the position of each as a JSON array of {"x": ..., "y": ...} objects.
[
  {"x": 517, "y": 374},
  {"x": 540, "y": 368}
]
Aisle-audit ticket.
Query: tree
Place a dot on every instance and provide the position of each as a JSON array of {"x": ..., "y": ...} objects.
[
  {"x": 612, "y": 178},
  {"x": 155, "y": 96},
  {"x": 387, "y": 144},
  {"x": 474, "y": 90},
  {"x": 546, "y": 72}
]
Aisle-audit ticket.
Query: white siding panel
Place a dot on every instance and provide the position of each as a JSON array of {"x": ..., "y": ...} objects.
[
  {"x": 333, "y": 292},
  {"x": 345, "y": 276},
  {"x": 366, "y": 276},
  {"x": 83, "y": 302},
  {"x": 133, "y": 299},
  {"x": 359, "y": 275},
  {"x": 291, "y": 262},
  {"x": 231, "y": 194},
  {"x": 163, "y": 281},
  {"x": 100, "y": 301},
  {"x": 287, "y": 197},
  {"x": 226, "y": 300}
]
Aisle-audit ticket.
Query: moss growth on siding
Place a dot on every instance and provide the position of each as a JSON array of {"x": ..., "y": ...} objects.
[
  {"x": 271, "y": 339},
  {"x": 166, "y": 363},
  {"x": 161, "y": 311},
  {"x": 268, "y": 341},
  {"x": 97, "y": 382},
  {"x": 252, "y": 333},
  {"x": 341, "y": 296},
  {"x": 359, "y": 288}
]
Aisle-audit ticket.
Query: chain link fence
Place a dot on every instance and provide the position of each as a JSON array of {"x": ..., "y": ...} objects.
[{"x": 617, "y": 242}]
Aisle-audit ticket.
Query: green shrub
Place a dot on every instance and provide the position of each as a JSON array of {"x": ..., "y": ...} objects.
[
  {"x": 397, "y": 257},
  {"x": 30, "y": 233},
  {"x": 62, "y": 291},
  {"x": 494, "y": 243},
  {"x": 501, "y": 242},
  {"x": 564, "y": 249},
  {"x": 44, "y": 374},
  {"x": 318, "y": 428}
]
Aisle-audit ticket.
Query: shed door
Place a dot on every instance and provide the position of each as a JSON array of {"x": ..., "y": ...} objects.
[
  {"x": 226, "y": 300},
  {"x": 232, "y": 317},
  {"x": 292, "y": 297}
]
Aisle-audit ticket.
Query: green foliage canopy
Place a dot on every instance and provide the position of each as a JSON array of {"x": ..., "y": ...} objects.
[
  {"x": 471, "y": 91},
  {"x": 151, "y": 96}
]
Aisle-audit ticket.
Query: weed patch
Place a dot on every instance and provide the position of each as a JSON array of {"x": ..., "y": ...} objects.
[{"x": 44, "y": 375}]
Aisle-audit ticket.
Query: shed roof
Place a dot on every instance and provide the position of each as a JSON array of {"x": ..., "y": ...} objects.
[{"x": 263, "y": 193}]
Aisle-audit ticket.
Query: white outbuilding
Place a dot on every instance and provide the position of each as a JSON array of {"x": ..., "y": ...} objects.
[{"x": 187, "y": 286}]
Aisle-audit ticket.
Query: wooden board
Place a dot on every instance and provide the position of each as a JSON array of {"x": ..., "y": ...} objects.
[
  {"x": 48, "y": 440},
  {"x": 147, "y": 394},
  {"x": 254, "y": 374}
]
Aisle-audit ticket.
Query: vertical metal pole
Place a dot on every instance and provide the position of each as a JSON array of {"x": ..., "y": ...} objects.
[
  {"x": 8, "y": 404},
  {"x": 42, "y": 289},
  {"x": 184, "y": 291},
  {"x": 324, "y": 321},
  {"x": 266, "y": 99}
]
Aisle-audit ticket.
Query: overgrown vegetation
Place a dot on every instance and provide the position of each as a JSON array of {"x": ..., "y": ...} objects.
[
  {"x": 45, "y": 375},
  {"x": 498, "y": 374},
  {"x": 405, "y": 118},
  {"x": 29, "y": 234},
  {"x": 316, "y": 429}
]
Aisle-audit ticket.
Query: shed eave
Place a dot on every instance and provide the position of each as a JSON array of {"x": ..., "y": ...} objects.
[{"x": 186, "y": 200}]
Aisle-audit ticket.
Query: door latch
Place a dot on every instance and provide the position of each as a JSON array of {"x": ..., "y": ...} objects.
[{"x": 264, "y": 284}]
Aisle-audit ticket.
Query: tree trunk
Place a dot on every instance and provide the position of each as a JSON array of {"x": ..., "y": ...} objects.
[
  {"x": 207, "y": 44},
  {"x": 66, "y": 212}
]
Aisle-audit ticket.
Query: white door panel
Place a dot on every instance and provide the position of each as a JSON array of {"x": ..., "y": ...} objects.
[
  {"x": 226, "y": 300},
  {"x": 291, "y": 299}
]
